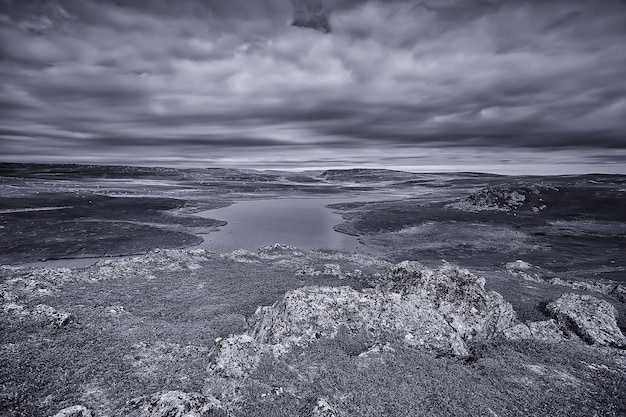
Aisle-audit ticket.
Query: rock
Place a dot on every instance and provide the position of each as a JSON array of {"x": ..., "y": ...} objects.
[
  {"x": 438, "y": 310},
  {"x": 592, "y": 319},
  {"x": 545, "y": 331},
  {"x": 518, "y": 332},
  {"x": 376, "y": 350},
  {"x": 238, "y": 355},
  {"x": 320, "y": 408},
  {"x": 458, "y": 295},
  {"x": 311, "y": 313},
  {"x": 619, "y": 292},
  {"x": 518, "y": 265},
  {"x": 507, "y": 198},
  {"x": 74, "y": 411},
  {"x": 173, "y": 404},
  {"x": 50, "y": 315},
  {"x": 40, "y": 312}
]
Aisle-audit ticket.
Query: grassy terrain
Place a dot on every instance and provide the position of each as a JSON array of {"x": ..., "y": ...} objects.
[{"x": 147, "y": 325}]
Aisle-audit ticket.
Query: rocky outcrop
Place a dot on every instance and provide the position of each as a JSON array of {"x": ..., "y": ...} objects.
[
  {"x": 439, "y": 310},
  {"x": 593, "y": 320},
  {"x": 311, "y": 313},
  {"x": 173, "y": 404},
  {"x": 507, "y": 197},
  {"x": 74, "y": 411},
  {"x": 460, "y": 296},
  {"x": 238, "y": 355},
  {"x": 39, "y": 313}
]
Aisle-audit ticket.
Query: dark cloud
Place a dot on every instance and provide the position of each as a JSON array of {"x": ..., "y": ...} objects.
[{"x": 236, "y": 81}]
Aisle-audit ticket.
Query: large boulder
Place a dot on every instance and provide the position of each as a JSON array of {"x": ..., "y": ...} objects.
[
  {"x": 594, "y": 320},
  {"x": 440, "y": 311},
  {"x": 311, "y": 313},
  {"x": 459, "y": 295}
]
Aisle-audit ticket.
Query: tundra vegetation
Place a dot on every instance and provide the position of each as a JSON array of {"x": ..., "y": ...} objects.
[{"x": 524, "y": 317}]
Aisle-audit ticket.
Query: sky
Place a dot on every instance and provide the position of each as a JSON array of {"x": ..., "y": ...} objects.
[{"x": 506, "y": 86}]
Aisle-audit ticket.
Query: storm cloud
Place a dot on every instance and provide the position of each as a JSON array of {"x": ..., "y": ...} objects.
[{"x": 275, "y": 83}]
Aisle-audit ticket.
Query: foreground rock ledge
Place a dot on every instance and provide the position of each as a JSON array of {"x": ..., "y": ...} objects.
[{"x": 439, "y": 310}]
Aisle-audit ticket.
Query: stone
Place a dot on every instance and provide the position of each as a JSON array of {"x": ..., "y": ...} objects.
[
  {"x": 545, "y": 331},
  {"x": 236, "y": 356},
  {"x": 39, "y": 313},
  {"x": 320, "y": 408},
  {"x": 310, "y": 313},
  {"x": 458, "y": 295},
  {"x": 594, "y": 320},
  {"x": 518, "y": 265},
  {"x": 74, "y": 411},
  {"x": 439, "y": 311}
]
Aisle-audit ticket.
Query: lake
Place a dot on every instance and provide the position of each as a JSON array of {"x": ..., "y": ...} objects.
[{"x": 302, "y": 222}]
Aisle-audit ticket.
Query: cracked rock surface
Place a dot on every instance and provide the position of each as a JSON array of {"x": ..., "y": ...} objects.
[{"x": 594, "y": 320}]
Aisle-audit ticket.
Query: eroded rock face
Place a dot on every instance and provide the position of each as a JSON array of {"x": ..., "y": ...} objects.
[
  {"x": 592, "y": 319},
  {"x": 457, "y": 294},
  {"x": 440, "y": 311},
  {"x": 311, "y": 313},
  {"x": 173, "y": 404}
]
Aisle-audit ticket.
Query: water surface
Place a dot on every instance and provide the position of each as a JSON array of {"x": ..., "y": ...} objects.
[{"x": 302, "y": 222}]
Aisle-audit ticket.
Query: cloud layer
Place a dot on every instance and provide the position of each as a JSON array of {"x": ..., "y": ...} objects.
[{"x": 215, "y": 81}]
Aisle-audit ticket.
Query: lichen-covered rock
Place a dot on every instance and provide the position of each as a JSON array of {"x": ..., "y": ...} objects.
[
  {"x": 51, "y": 315},
  {"x": 592, "y": 319},
  {"x": 518, "y": 265},
  {"x": 545, "y": 331},
  {"x": 238, "y": 355},
  {"x": 40, "y": 313},
  {"x": 74, "y": 411},
  {"x": 456, "y": 293},
  {"x": 439, "y": 311},
  {"x": 173, "y": 404},
  {"x": 311, "y": 313}
]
